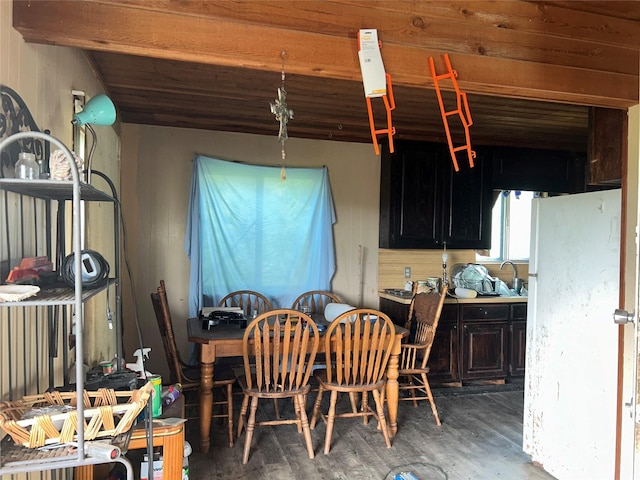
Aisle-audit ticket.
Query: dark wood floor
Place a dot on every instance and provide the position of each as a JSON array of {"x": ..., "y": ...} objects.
[{"x": 480, "y": 438}]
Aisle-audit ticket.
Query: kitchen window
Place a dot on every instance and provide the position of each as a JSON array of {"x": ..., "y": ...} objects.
[{"x": 511, "y": 222}]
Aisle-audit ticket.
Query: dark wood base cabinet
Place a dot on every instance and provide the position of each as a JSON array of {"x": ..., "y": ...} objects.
[
  {"x": 517, "y": 341},
  {"x": 443, "y": 360},
  {"x": 474, "y": 341},
  {"x": 484, "y": 341}
]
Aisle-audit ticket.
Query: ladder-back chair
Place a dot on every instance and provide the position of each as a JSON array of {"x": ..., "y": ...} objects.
[
  {"x": 279, "y": 348},
  {"x": 358, "y": 345},
  {"x": 248, "y": 301},
  {"x": 189, "y": 375},
  {"x": 425, "y": 310},
  {"x": 316, "y": 300}
]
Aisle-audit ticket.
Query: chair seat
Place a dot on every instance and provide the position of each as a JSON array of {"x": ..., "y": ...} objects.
[
  {"x": 242, "y": 381},
  {"x": 321, "y": 376}
]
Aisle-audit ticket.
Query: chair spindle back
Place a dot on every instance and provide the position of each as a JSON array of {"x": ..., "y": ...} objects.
[
  {"x": 283, "y": 344},
  {"x": 360, "y": 347}
]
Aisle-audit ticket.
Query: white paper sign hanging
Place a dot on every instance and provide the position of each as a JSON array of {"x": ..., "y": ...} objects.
[{"x": 373, "y": 74}]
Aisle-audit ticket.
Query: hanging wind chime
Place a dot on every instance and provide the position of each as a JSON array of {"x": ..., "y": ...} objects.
[{"x": 283, "y": 115}]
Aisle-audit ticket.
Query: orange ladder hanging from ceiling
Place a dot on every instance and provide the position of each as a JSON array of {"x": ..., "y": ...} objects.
[
  {"x": 464, "y": 115},
  {"x": 377, "y": 83},
  {"x": 389, "y": 105}
]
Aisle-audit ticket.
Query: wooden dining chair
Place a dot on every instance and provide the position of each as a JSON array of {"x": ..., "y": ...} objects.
[
  {"x": 358, "y": 345},
  {"x": 189, "y": 375},
  {"x": 248, "y": 301},
  {"x": 279, "y": 348},
  {"x": 317, "y": 300},
  {"x": 425, "y": 310}
]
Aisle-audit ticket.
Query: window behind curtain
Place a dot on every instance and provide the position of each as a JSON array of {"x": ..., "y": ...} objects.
[{"x": 249, "y": 229}]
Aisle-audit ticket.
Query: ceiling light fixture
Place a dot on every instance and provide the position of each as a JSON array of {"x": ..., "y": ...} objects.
[{"x": 100, "y": 110}]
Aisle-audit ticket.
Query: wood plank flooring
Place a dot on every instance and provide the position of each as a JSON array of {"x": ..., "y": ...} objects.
[{"x": 480, "y": 438}]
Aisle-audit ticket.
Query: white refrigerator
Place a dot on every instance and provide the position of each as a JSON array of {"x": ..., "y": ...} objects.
[{"x": 569, "y": 420}]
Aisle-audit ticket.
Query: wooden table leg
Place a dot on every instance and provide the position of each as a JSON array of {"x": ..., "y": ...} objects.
[
  {"x": 392, "y": 393},
  {"x": 206, "y": 404},
  {"x": 207, "y": 357}
]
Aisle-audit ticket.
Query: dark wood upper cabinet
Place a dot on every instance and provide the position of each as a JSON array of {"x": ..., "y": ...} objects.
[
  {"x": 424, "y": 203},
  {"x": 469, "y": 203},
  {"x": 607, "y": 145},
  {"x": 538, "y": 170}
]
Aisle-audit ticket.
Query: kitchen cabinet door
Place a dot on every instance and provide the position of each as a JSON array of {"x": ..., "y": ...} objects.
[
  {"x": 517, "y": 340},
  {"x": 484, "y": 341},
  {"x": 484, "y": 350},
  {"x": 467, "y": 219},
  {"x": 538, "y": 170},
  {"x": 443, "y": 359},
  {"x": 424, "y": 203},
  {"x": 517, "y": 348},
  {"x": 411, "y": 195}
]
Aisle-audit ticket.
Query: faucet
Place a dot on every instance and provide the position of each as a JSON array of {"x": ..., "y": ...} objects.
[{"x": 514, "y": 282}]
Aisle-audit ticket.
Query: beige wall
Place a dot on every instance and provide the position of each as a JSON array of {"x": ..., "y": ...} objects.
[
  {"x": 428, "y": 263},
  {"x": 44, "y": 77}
]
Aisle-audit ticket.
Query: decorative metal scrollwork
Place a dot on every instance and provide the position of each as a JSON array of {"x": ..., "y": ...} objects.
[{"x": 15, "y": 117}]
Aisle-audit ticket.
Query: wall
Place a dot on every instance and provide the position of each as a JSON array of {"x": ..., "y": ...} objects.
[
  {"x": 156, "y": 176},
  {"x": 428, "y": 263},
  {"x": 44, "y": 77}
]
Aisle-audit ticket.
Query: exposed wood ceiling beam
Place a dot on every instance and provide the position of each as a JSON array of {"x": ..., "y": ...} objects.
[{"x": 495, "y": 46}]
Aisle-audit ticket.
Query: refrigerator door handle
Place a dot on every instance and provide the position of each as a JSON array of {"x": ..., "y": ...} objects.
[{"x": 622, "y": 317}]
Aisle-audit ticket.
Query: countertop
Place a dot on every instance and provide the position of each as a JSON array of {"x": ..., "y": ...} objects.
[{"x": 407, "y": 300}]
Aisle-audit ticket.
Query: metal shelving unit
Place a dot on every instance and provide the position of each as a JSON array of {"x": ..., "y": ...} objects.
[{"x": 74, "y": 297}]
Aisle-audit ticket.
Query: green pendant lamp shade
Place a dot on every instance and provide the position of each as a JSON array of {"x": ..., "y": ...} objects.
[{"x": 100, "y": 110}]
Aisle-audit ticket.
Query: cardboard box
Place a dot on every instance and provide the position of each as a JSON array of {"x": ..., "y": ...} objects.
[{"x": 157, "y": 469}]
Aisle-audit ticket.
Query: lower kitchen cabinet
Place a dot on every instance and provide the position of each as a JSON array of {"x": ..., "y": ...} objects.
[
  {"x": 443, "y": 359},
  {"x": 517, "y": 340},
  {"x": 474, "y": 341},
  {"x": 484, "y": 341},
  {"x": 397, "y": 311}
]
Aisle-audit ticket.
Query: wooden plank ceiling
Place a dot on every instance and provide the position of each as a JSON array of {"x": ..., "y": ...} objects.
[{"x": 531, "y": 69}]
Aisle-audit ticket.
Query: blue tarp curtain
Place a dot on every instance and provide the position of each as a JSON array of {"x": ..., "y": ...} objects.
[{"x": 249, "y": 229}]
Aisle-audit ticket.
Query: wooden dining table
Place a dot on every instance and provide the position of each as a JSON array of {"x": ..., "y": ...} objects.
[{"x": 225, "y": 340}]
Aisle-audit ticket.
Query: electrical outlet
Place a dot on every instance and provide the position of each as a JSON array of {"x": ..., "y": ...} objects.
[{"x": 407, "y": 272}]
